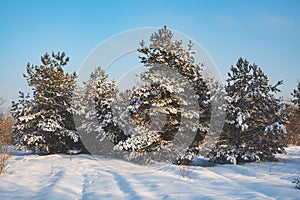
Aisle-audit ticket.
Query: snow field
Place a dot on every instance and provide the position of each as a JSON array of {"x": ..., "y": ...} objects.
[{"x": 87, "y": 177}]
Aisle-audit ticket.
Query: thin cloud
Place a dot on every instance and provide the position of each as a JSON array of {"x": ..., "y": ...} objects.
[
  {"x": 227, "y": 20},
  {"x": 276, "y": 21}
]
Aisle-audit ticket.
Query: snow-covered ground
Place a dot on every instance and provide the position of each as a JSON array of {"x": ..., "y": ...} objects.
[{"x": 87, "y": 177}]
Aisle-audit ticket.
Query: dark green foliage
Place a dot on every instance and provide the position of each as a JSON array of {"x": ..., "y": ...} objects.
[
  {"x": 46, "y": 121},
  {"x": 296, "y": 181},
  {"x": 172, "y": 100},
  {"x": 254, "y": 128},
  {"x": 94, "y": 113}
]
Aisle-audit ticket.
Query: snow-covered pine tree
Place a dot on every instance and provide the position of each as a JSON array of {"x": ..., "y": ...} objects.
[
  {"x": 93, "y": 113},
  {"x": 46, "y": 121},
  {"x": 219, "y": 101},
  {"x": 121, "y": 112},
  {"x": 254, "y": 128},
  {"x": 296, "y": 96},
  {"x": 85, "y": 118},
  {"x": 173, "y": 97},
  {"x": 106, "y": 93},
  {"x": 24, "y": 120}
]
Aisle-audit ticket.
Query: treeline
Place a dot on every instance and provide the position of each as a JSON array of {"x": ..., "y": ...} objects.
[
  {"x": 166, "y": 117},
  {"x": 293, "y": 127}
]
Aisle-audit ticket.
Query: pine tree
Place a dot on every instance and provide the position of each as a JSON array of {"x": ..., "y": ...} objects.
[
  {"x": 46, "y": 121},
  {"x": 106, "y": 92},
  {"x": 121, "y": 112},
  {"x": 172, "y": 102},
  {"x": 296, "y": 96},
  {"x": 254, "y": 128},
  {"x": 94, "y": 115}
]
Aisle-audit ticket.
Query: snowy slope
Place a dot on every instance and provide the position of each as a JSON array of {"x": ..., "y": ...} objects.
[{"x": 86, "y": 177}]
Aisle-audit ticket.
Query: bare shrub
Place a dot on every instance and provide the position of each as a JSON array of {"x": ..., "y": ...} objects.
[
  {"x": 184, "y": 171},
  {"x": 4, "y": 157},
  {"x": 6, "y": 129},
  {"x": 6, "y": 125},
  {"x": 293, "y": 128}
]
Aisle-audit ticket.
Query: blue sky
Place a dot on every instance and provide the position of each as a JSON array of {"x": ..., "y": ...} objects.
[{"x": 265, "y": 32}]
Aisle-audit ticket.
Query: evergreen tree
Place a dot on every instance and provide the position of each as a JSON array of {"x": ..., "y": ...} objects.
[
  {"x": 94, "y": 115},
  {"x": 254, "y": 128},
  {"x": 46, "y": 121},
  {"x": 121, "y": 112},
  {"x": 106, "y": 92},
  {"x": 296, "y": 95},
  {"x": 172, "y": 102}
]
